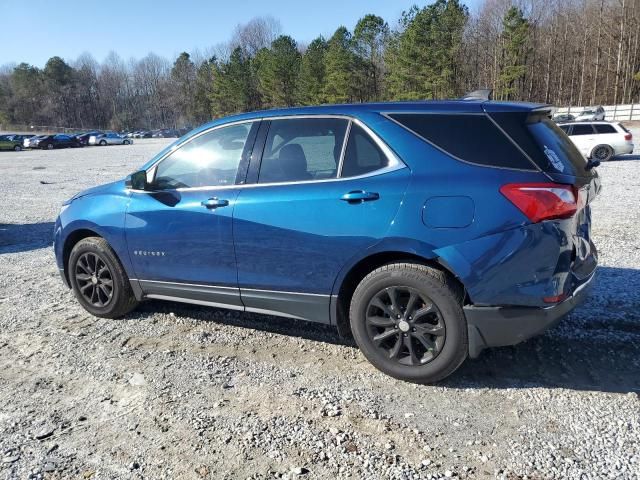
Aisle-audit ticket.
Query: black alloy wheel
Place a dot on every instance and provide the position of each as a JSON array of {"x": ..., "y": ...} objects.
[
  {"x": 94, "y": 279},
  {"x": 406, "y": 325}
]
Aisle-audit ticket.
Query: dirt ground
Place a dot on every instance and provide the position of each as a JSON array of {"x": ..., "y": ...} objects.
[{"x": 178, "y": 391}]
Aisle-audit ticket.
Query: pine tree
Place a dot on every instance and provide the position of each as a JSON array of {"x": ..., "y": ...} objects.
[
  {"x": 515, "y": 39},
  {"x": 423, "y": 56},
  {"x": 278, "y": 69},
  {"x": 339, "y": 68},
  {"x": 183, "y": 78},
  {"x": 311, "y": 83},
  {"x": 234, "y": 86}
]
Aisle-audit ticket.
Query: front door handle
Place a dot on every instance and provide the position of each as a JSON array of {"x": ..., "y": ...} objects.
[
  {"x": 359, "y": 196},
  {"x": 215, "y": 202}
]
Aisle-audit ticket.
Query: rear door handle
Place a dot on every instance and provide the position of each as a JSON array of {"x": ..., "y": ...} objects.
[
  {"x": 359, "y": 196},
  {"x": 213, "y": 203}
]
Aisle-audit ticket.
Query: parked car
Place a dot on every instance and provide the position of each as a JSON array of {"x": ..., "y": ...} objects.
[
  {"x": 165, "y": 133},
  {"x": 8, "y": 143},
  {"x": 591, "y": 114},
  {"x": 600, "y": 141},
  {"x": 142, "y": 134},
  {"x": 109, "y": 139},
  {"x": 26, "y": 143},
  {"x": 563, "y": 118},
  {"x": 20, "y": 137},
  {"x": 83, "y": 138},
  {"x": 374, "y": 218},
  {"x": 50, "y": 142}
]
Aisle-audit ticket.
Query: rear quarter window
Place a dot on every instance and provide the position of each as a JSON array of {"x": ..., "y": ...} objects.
[
  {"x": 602, "y": 128},
  {"x": 472, "y": 138}
]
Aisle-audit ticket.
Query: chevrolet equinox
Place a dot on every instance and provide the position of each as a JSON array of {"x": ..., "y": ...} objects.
[{"x": 427, "y": 230}]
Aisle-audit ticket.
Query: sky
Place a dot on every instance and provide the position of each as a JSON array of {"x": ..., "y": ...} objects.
[{"x": 133, "y": 28}]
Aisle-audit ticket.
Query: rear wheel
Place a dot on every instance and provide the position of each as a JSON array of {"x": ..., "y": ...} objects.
[
  {"x": 98, "y": 279},
  {"x": 602, "y": 153},
  {"x": 408, "y": 321},
  {"x": 103, "y": 143},
  {"x": 126, "y": 142},
  {"x": 17, "y": 148},
  {"x": 50, "y": 146}
]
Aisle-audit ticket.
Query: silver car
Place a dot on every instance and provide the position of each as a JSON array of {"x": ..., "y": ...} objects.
[
  {"x": 109, "y": 139},
  {"x": 591, "y": 114}
]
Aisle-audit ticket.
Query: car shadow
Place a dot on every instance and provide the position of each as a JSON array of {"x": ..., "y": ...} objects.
[
  {"x": 596, "y": 348},
  {"x": 23, "y": 237}
]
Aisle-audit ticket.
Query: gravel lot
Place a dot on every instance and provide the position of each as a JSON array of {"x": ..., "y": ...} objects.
[{"x": 174, "y": 391}]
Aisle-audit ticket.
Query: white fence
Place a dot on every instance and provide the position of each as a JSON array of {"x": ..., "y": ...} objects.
[{"x": 611, "y": 112}]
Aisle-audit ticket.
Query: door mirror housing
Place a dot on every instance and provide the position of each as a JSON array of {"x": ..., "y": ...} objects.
[{"x": 137, "y": 181}]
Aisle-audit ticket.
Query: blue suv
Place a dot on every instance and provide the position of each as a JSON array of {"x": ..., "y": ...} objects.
[{"x": 427, "y": 230}]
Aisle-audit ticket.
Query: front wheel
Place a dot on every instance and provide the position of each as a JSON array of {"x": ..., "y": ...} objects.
[
  {"x": 126, "y": 142},
  {"x": 50, "y": 146},
  {"x": 408, "y": 321},
  {"x": 17, "y": 148},
  {"x": 98, "y": 279},
  {"x": 103, "y": 143}
]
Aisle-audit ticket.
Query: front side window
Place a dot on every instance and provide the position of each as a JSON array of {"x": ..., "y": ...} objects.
[
  {"x": 362, "y": 155},
  {"x": 302, "y": 149},
  {"x": 210, "y": 160},
  {"x": 582, "y": 130}
]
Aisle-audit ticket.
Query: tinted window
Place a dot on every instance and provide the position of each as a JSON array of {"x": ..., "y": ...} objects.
[
  {"x": 362, "y": 155},
  {"x": 582, "y": 130},
  {"x": 602, "y": 128},
  {"x": 209, "y": 160},
  {"x": 302, "y": 149},
  {"x": 472, "y": 138},
  {"x": 564, "y": 128}
]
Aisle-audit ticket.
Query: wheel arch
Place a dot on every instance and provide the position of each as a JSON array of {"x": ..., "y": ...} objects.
[
  {"x": 70, "y": 241},
  {"x": 350, "y": 278}
]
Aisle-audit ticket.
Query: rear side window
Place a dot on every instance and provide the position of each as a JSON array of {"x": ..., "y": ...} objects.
[
  {"x": 300, "y": 149},
  {"x": 582, "y": 129},
  {"x": 603, "y": 128},
  {"x": 362, "y": 155},
  {"x": 544, "y": 142},
  {"x": 471, "y": 138}
]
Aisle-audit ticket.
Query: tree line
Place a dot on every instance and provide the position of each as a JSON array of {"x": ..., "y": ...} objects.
[{"x": 563, "y": 52}]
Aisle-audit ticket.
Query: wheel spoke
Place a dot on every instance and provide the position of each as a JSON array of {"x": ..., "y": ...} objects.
[
  {"x": 83, "y": 277},
  {"x": 424, "y": 311},
  {"x": 429, "y": 329},
  {"x": 377, "y": 321},
  {"x": 391, "y": 291},
  {"x": 107, "y": 281},
  {"x": 384, "y": 335},
  {"x": 85, "y": 287},
  {"x": 413, "y": 359},
  {"x": 395, "y": 351},
  {"x": 426, "y": 342},
  {"x": 377, "y": 302},
  {"x": 104, "y": 290},
  {"x": 411, "y": 303}
]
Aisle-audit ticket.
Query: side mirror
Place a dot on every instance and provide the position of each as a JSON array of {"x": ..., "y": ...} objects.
[{"x": 137, "y": 181}]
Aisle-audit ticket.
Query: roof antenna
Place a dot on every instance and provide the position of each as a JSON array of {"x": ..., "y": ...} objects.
[{"x": 480, "y": 94}]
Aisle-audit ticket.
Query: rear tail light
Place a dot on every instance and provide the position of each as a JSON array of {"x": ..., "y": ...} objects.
[
  {"x": 542, "y": 201},
  {"x": 628, "y": 136}
]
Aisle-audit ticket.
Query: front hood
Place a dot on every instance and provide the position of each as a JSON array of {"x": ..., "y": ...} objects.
[{"x": 100, "y": 189}]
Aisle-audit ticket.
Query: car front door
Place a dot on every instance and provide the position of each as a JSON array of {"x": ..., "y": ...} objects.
[
  {"x": 4, "y": 143},
  {"x": 316, "y": 203},
  {"x": 583, "y": 136},
  {"x": 179, "y": 232}
]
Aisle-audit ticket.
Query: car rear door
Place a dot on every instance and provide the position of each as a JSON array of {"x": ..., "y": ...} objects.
[
  {"x": 606, "y": 134},
  {"x": 179, "y": 232},
  {"x": 316, "y": 202}
]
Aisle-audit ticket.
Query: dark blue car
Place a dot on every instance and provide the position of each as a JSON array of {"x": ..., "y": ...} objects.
[{"x": 427, "y": 230}]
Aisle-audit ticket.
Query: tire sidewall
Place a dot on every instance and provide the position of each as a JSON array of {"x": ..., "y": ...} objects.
[
  {"x": 609, "y": 150},
  {"x": 17, "y": 148},
  {"x": 455, "y": 347},
  {"x": 87, "y": 246}
]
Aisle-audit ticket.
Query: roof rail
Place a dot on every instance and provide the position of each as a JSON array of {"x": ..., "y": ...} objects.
[{"x": 480, "y": 94}]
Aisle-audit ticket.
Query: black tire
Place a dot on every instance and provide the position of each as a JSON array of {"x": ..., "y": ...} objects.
[
  {"x": 17, "y": 148},
  {"x": 107, "y": 273},
  {"x": 602, "y": 153},
  {"x": 49, "y": 146},
  {"x": 103, "y": 143},
  {"x": 126, "y": 142},
  {"x": 439, "y": 300}
]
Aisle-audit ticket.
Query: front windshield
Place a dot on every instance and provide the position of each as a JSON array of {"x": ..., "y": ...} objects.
[{"x": 588, "y": 112}]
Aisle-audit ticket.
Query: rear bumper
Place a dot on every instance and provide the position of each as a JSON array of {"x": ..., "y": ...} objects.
[{"x": 502, "y": 326}]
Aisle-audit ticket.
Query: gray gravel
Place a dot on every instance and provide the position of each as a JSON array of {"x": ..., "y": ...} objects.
[{"x": 174, "y": 391}]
